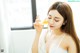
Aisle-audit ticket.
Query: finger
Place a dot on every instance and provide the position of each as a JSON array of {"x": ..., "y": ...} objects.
[{"x": 36, "y": 24}]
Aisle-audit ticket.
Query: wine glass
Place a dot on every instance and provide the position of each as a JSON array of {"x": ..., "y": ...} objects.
[{"x": 45, "y": 23}]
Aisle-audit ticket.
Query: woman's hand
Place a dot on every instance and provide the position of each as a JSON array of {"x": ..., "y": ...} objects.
[{"x": 38, "y": 25}]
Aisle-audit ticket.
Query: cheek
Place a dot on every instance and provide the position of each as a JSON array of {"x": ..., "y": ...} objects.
[{"x": 58, "y": 24}]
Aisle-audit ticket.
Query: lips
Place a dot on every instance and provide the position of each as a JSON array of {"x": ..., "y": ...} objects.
[{"x": 51, "y": 26}]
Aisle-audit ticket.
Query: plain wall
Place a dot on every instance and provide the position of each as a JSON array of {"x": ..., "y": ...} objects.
[{"x": 21, "y": 41}]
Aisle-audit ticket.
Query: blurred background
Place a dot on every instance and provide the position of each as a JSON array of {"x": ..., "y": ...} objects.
[{"x": 16, "y": 22}]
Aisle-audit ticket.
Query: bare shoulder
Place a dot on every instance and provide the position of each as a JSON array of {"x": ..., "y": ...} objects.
[
  {"x": 68, "y": 39},
  {"x": 70, "y": 43}
]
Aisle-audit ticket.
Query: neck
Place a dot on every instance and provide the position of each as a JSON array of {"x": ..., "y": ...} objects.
[{"x": 57, "y": 32}]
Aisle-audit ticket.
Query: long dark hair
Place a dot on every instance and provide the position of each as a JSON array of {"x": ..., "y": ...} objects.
[{"x": 65, "y": 10}]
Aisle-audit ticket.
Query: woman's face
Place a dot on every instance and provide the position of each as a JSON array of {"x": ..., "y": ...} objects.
[{"x": 55, "y": 20}]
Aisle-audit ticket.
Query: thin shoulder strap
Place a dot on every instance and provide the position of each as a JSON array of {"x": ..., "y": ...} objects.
[
  {"x": 61, "y": 40},
  {"x": 59, "y": 43}
]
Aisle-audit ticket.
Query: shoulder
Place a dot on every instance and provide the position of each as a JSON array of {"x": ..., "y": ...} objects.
[
  {"x": 70, "y": 43},
  {"x": 69, "y": 40}
]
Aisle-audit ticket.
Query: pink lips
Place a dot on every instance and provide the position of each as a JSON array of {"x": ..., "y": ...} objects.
[{"x": 51, "y": 26}]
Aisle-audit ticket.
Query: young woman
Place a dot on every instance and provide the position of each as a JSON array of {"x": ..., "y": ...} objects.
[{"x": 63, "y": 38}]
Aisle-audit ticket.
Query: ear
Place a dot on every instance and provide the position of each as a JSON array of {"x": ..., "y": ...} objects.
[{"x": 64, "y": 22}]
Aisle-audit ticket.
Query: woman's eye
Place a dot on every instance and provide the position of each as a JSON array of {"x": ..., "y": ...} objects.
[
  {"x": 57, "y": 20},
  {"x": 49, "y": 18}
]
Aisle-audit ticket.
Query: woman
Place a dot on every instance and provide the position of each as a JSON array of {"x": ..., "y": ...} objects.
[{"x": 63, "y": 38}]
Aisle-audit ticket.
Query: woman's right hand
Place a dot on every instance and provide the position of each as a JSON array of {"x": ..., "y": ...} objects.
[{"x": 38, "y": 25}]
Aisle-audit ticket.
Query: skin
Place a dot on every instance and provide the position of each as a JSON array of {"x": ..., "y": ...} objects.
[{"x": 55, "y": 20}]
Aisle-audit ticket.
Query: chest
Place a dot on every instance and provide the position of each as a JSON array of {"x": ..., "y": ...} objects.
[
  {"x": 55, "y": 42},
  {"x": 51, "y": 41}
]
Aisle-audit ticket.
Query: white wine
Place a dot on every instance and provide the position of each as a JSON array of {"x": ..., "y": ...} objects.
[{"x": 45, "y": 22}]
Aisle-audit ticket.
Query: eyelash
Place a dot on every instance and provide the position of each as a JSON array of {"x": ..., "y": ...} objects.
[
  {"x": 57, "y": 20},
  {"x": 49, "y": 18},
  {"x": 54, "y": 19}
]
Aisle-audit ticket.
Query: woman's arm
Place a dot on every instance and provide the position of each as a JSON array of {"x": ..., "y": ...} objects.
[
  {"x": 38, "y": 26},
  {"x": 72, "y": 46},
  {"x": 35, "y": 43}
]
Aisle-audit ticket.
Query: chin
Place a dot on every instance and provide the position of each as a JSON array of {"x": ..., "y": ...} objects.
[{"x": 53, "y": 28}]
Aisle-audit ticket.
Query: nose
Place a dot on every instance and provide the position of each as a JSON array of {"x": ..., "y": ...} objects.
[{"x": 51, "y": 21}]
